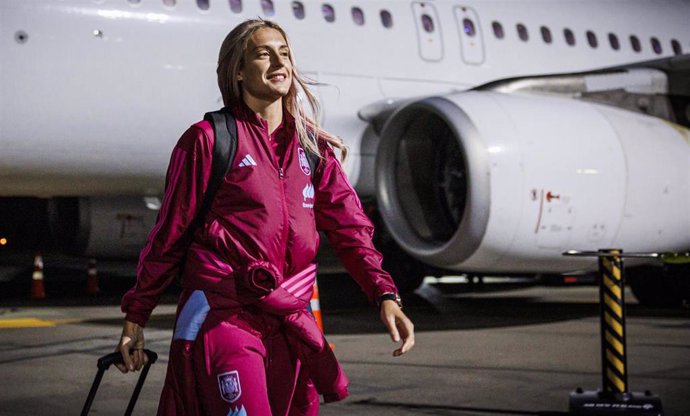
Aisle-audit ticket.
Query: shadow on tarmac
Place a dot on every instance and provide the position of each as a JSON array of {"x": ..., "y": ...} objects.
[
  {"x": 345, "y": 309},
  {"x": 467, "y": 313},
  {"x": 452, "y": 410},
  {"x": 454, "y": 314}
]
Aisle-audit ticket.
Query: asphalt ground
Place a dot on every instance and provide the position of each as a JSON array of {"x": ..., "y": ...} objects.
[{"x": 496, "y": 352}]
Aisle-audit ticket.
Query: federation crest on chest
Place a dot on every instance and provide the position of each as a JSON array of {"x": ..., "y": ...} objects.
[
  {"x": 229, "y": 385},
  {"x": 304, "y": 162}
]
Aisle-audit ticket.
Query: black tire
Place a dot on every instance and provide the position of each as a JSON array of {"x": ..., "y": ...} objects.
[
  {"x": 340, "y": 291},
  {"x": 407, "y": 273},
  {"x": 655, "y": 286}
]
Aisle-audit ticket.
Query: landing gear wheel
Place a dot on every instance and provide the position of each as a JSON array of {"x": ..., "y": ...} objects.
[
  {"x": 408, "y": 273},
  {"x": 654, "y": 286}
]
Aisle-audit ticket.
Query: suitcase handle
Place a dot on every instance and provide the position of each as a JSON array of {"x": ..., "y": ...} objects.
[
  {"x": 104, "y": 364},
  {"x": 106, "y": 361}
]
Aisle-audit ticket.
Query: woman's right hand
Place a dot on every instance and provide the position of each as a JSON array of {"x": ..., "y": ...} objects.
[{"x": 131, "y": 347}]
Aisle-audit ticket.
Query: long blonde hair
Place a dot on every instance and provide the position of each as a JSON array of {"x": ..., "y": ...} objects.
[{"x": 231, "y": 61}]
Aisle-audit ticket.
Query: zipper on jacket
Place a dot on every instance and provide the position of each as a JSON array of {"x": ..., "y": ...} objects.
[
  {"x": 281, "y": 177},
  {"x": 286, "y": 225}
]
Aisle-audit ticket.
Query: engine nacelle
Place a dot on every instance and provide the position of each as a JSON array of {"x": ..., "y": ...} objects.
[
  {"x": 484, "y": 181},
  {"x": 102, "y": 227}
]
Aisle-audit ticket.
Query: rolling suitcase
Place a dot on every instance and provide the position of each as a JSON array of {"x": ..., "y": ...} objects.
[{"x": 104, "y": 364}]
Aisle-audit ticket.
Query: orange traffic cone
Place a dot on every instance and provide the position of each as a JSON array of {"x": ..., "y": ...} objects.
[
  {"x": 92, "y": 279},
  {"x": 37, "y": 289},
  {"x": 316, "y": 306},
  {"x": 316, "y": 309}
]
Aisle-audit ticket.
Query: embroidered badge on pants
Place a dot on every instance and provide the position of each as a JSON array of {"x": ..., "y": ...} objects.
[{"x": 229, "y": 385}]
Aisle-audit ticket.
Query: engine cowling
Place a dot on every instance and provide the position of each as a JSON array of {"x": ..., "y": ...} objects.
[
  {"x": 484, "y": 181},
  {"x": 102, "y": 227}
]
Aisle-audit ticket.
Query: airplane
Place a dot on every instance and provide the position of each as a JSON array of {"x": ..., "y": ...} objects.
[{"x": 485, "y": 136}]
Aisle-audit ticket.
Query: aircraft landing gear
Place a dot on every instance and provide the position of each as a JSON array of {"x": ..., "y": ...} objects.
[
  {"x": 667, "y": 285},
  {"x": 407, "y": 272}
]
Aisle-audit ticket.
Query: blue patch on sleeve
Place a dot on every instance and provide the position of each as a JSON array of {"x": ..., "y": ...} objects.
[
  {"x": 237, "y": 412},
  {"x": 192, "y": 316}
]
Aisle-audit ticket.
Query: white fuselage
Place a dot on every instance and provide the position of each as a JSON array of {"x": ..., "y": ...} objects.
[
  {"x": 94, "y": 95},
  {"x": 95, "y": 98}
]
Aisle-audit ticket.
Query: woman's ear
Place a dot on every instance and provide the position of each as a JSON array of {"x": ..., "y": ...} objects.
[{"x": 240, "y": 76}]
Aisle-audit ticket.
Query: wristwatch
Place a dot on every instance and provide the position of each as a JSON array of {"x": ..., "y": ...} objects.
[{"x": 391, "y": 296}]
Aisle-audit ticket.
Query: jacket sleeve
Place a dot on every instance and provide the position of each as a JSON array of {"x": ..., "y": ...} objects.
[
  {"x": 161, "y": 257},
  {"x": 339, "y": 214}
]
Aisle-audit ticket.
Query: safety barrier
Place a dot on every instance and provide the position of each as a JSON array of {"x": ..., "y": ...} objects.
[{"x": 614, "y": 398}]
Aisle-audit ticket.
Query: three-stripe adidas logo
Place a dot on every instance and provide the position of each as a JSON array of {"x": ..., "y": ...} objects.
[
  {"x": 302, "y": 283},
  {"x": 247, "y": 161}
]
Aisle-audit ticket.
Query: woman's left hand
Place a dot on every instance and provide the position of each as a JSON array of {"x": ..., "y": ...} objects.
[{"x": 399, "y": 326}]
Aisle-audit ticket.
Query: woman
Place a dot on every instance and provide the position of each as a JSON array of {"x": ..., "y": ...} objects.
[{"x": 244, "y": 343}]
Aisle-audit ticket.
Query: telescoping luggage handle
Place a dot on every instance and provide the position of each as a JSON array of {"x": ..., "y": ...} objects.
[{"x": 104, "y": 364}]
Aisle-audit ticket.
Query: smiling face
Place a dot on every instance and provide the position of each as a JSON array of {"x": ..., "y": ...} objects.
[{"x": 266, "y": 74}]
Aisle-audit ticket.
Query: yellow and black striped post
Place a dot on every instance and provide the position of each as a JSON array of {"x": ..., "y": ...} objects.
[
  {"x": 612, "y": 301},
  {"x": 613, "y": 399}
]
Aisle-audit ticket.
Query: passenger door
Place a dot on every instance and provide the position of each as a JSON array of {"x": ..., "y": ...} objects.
[
  {"x": 471, "y": 40},
  {"x": 428, "y": 31}
]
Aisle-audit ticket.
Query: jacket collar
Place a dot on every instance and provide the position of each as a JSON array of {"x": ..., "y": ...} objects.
[{"x": 246, "y": 114}]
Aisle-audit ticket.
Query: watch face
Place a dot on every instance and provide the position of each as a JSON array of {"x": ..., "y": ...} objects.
[{"x": 398, "y": 300}]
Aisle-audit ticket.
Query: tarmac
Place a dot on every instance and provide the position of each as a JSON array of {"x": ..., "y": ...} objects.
[{"x": 512, "y": 352}]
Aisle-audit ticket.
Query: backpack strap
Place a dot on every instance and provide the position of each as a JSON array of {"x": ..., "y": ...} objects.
[
  {"x": 312, "y": 158},
  {"x": 224, "y": 149}
]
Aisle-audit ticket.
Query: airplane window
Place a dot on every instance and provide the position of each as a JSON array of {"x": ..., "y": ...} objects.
[
  {"x": 635, "y": 43},
  {"x": 203, "y": 4},
  {"x": 386, "y": 19},
  {"x": 298, "y": 10},
  {"x": 522, "y": 32},
  {"x": 468, "y": 27},
  {"x": 328, "y": 13},
  {"x": 236, "y": 6},
  {"x": 677, "y": 49},
  {"x": 267, "y": 7},
  {"x": 169, "y": 3},
  {"x": 427, "y": 23},
  {"x": 569, "y": 37},
  {"x": 546, "y": 34},
  {"x": 613, "y": 40},
  {"x": 498, "y": 30},
  {"x": 656, "y": 46},
  {"x": 358, "y": 16},
  {"x": 592, "y": 39}
]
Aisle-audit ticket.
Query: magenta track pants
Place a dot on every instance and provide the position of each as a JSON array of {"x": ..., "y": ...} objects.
[{"x": 233, "y": 363}]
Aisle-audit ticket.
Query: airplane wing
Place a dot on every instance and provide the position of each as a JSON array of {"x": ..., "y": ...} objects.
[{"x": 659, "y": 88}]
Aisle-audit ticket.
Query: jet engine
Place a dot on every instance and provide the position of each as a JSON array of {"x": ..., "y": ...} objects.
[
  {"x": 102, "y": 227},
  {"x": 483, "y": 181}
]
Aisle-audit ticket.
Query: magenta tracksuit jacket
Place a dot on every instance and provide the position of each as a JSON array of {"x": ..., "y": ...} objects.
[{"x": 248, "y": 272}]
